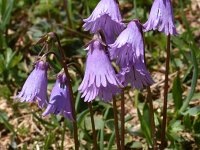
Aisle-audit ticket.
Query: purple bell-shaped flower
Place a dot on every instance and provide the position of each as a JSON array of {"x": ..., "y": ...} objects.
[
  {"x": 100, "y": 78},
  {"x": 106, "y": 17},
  {"x": 128, "y": 50},
  {"x": 60, "y": 99},
  {"x": 35, "y": 87},
  {"x": 161, "y": 18}
]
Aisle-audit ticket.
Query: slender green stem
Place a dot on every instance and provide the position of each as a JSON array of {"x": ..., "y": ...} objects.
[
  {"x": 163, "y": 127},
  {"x": 93, "y": 127},
  {"x": 116, "y": 124},
  {"x": 64, "y": 65},
  {"x": 151, "y": 115},
  {"x": 122, "y": 121}
]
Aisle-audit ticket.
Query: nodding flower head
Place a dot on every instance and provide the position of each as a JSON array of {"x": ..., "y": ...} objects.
[
  {"x": 161, "y": 18},
  {"x": 60, "y": 102},
  {"x": 129, "y": 46},
  {"x": 136, "y": 74},
  {"x": 128, "y": 50},
  {"x": 35, "y": 87},
  {"x": 106, "y": 17},
  {"x": 100, "y": 78}
]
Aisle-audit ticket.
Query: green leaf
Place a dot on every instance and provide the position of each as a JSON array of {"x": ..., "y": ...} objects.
[
  {"x": 146, "y": 114},
  {"x": 145, "y": 127},
  {"x": 111, "y": 141},
  {"x": 25, "y": 147},
  {"x": 177, "y": 93},
  {"x": 9, "y": 56},
  {"x": 194, "y": 111},
  {"x": 97, "y": 121},
  {"x": 77, "y": 102},
  {"x": 92, "y": 3},
  {"x": 14, "y": 62},
  {"x": 128, "y": 118},
  {"x": 196, "y": 125},
  {"x": 3, "y": 116},
  {"x": 187, "y": 73},
  {"x": 176, "y": 126},
  {"x": 187, "y": 121},
  {"x": 196, "y": 96},
  {"x": 5, "y": 13},
  {"x": 81, "y": 117},
  {"x": 5, "y": 91},
  {"x": 136, "y": 145},
  {"x": 44, "y": 122},
  {"x": 106, "y": 113},
  {"x": 70, "y": 16},
  {"x": 49, "y": 140},
  {"x": 194, "y": 82},
  {"x": 197, "y": 139},
  {"x": 101, "y": 143},
  {"x": 110, "y": 124},
  {"x": 4, "y": 120},
  {"x": 173, "y": 129},
  {"x": 2, "y": 66}
]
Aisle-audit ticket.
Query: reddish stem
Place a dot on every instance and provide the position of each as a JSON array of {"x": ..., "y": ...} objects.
[
  {"x": 116, "y": 124},
  {"x": 122, "y": 121},
  {"x": 64, "y": 65},
  {"x": 163, "y": 129},
  {"x": 93, "y": 127}
]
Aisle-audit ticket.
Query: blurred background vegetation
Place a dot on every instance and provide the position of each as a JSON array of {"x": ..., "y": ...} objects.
[{"x": 23, "y": 22}]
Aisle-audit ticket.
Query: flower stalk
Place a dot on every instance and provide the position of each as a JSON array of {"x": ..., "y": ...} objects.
[
  {"x": 122, "y": 120},
  {"x": 36, "y": 80},
  {"x": 163, "y": 128},
  {"x": 64, "y": 65},
  {"x": 151, "y": 115},
  {"x": 116, "y": 124},
  {"x": 93, "y": 126},
  {"x": 91, "y": 110}
]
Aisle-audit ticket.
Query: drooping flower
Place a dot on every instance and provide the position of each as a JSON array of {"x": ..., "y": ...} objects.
[
  {"x": 106, "y": 17},
  {"x": 100, "y": 78},
  {"x": 60, "y": 99},
  {"x": 35, "y": 87},
  {"x": 129, "y": 46},
  {"x": 161, "y": 18},
  {"x": 136, "y": 74},
  {"x": 128, "y": 50}
]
